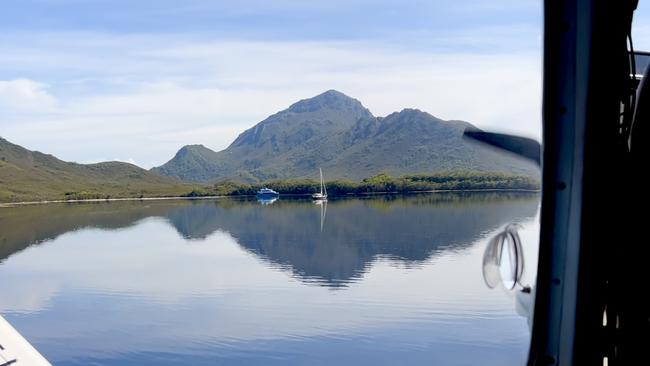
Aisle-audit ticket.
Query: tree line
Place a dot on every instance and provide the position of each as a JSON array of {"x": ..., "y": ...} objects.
[{"x": 381, "y": 183}]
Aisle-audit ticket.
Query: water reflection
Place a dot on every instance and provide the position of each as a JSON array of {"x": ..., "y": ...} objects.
[
  {"x": 235, "y": 282},
  {"x": 323, "y": 212},
  {"x": 290, "y": 235},
  {"x": 266, "y": 200}
]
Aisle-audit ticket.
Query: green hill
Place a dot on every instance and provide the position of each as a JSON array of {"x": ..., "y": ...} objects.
[
  {"x": 30, "y": 175},
  {"x": 339, "y": 134}
]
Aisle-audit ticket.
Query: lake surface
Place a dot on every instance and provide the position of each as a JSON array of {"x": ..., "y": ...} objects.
[{"x": 387, "y": 280}]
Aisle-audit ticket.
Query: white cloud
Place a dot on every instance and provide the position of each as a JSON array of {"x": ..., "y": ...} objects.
[{"x": 22, "y": 94}]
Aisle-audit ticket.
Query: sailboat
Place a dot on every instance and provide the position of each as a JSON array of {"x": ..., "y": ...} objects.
[{"x": 323, "y": 190}]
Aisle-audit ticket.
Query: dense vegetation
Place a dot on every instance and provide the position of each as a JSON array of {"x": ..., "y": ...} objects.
[{"x": 381, "y": 183}]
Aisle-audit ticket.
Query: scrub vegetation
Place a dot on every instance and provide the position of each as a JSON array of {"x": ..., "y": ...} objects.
[{"x": 382, "y": 183}]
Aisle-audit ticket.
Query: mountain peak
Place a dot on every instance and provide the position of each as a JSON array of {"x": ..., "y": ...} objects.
[
  {"x": 313, "y": 118},
  {"x": 192, "y": 149},
  {"x": 414, "y": 112},
  {"x": 331, "y": 99},
  {"x": 191, "y": 163},
  {"x": 193, "y": 152}
]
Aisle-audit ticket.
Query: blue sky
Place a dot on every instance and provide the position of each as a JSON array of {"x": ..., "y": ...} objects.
[
  {"x": 135, "y": 80},
  {"x": 268, "y": 20}
]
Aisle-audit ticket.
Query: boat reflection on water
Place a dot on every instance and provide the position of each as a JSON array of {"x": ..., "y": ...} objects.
[
  {"x": 266, "y": 200},
  {"x": 323, "y": 211}
]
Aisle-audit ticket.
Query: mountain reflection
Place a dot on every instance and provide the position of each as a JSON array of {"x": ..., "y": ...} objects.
[{"x": 291, "y": 234}]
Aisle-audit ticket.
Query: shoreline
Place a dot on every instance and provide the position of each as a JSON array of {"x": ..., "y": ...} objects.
[
  {"x": 28, "y": 203},
  {"x": 43, "y": 202}
]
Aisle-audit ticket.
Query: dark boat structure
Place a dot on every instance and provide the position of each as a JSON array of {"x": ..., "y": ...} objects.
[{"x": 590, "y": 306}]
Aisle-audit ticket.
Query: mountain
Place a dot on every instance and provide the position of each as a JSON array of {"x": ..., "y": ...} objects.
[
  {"x": 339, "y": 134},
  {"x": 195, "y": 161},
  {"x": 31, "y": 175}
]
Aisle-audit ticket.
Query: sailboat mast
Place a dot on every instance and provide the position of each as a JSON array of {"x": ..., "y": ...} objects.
[{"x": 321, "y": 180}]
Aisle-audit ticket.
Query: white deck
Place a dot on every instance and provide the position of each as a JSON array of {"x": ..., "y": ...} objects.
[{"x": 15, "y": 350}]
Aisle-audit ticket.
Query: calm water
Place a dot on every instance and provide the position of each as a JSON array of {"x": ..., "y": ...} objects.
[{"x": 376, "y": 281}]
